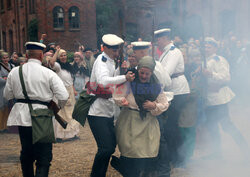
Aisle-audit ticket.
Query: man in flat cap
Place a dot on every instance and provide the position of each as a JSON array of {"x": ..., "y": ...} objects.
[
  {"x": 101, "y": 112},
  {"x": 41, "y": 85},
  {"x": 173, "y": 63},
  {"x": 217, "y": 98}
]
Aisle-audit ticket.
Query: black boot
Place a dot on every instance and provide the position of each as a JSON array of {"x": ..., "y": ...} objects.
[
  {"x": 42, "y": 171},
  {"x": 27, "y": 170}
]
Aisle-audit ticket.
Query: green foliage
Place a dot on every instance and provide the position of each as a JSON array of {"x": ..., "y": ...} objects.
[
  {"x": 33, "y": 30},
  {"x": 105, "y": 11},
  {"x": 70, "y": 56}
]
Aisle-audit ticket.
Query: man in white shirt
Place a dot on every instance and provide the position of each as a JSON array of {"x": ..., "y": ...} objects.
[
  {"x": 173, "y": 63},
  {"x": 217, "y": 98},
  {"x": 42, "y": 84},
  {"x": 101, "y": 112},
  {"x": 141, "y": 49}
]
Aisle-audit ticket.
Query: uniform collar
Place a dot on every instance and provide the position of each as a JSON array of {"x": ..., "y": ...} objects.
[
  {"x": 35, "y": 61},
  {"x": 211, "y": 56},
  {"x": 167, "y": 47},
  {"x": 108, "y": 58}
]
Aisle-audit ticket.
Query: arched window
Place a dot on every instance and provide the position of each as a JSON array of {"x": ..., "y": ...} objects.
[
  {"x": 74, "y": 20},
  {"x": 58, "y": 17},
  {"x": 9, "y": 4}
]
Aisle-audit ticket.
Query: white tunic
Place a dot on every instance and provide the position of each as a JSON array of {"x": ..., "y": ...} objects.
[
  {"x": 162, "y": 76},
  {"x": 173, "y": 63},
  {"x": 218, "y": 92},
  {"x": 41, "y": 84},
  {"x": 103, "y": 73}
]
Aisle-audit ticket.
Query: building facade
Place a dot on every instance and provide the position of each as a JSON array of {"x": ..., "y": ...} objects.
[
  {"x": 67, "y": 23},
  {"x": 189, "y": 18}
]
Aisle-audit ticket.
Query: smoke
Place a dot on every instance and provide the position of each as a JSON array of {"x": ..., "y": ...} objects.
[{"x": 234, "y": 162}]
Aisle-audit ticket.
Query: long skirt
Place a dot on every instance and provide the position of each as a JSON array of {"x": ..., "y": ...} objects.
[
  {"x": 73, "y": 126},
  {"x": 137, "y": 137}
]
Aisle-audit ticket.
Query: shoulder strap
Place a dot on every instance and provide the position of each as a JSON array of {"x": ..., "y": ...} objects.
[
  {"x": 166, "y": 52},
  {"x": 23, "y": 86}
]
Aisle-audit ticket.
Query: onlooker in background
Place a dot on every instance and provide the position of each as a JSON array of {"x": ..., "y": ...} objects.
[
  {"x": 89, "y": 59},
  {"x": 66, "y": 72},
  {"x": 82, "y": 73},
  {"x": 21, "y": 60},
  {"x": 14, "y": 58}
]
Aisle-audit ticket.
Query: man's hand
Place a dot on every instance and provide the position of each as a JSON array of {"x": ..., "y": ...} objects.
[
  {"x": 130, "y": 76},
  {"x": 149, "y": 105}
]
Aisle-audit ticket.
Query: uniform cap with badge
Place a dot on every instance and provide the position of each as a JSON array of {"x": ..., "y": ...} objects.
[
  {"x": 34, "y": 46},
  {"x": 140, "y": 45},
  {"x": 112, "y": 41},
  {"x": 162, "y": 32}
]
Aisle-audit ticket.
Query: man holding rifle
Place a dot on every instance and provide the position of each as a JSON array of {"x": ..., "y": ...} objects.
[{"x": 42, "y": 85}]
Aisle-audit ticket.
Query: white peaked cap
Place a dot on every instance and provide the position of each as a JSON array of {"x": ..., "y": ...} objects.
[
  {"x": 138, "y": 45},
  {"x": 34, "y": 46},
  {"x": 112, "y": 40},
  {"x": 162, "y": 32}
]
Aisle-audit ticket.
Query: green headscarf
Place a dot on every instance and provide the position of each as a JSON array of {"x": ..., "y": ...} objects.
[{"x": 147, "y": 62}]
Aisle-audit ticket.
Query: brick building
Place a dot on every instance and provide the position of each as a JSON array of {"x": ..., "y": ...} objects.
[
  {"x": 189, "y": 17},
  {"x": 68, "y": 23}
]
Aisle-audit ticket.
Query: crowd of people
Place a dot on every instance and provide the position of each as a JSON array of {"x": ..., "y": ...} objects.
[{"x": 154, "y": 99}]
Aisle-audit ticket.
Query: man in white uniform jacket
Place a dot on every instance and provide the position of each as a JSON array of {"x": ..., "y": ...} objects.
[
  {"x": 42, "y": 84},
  {"x": 217, "y": 98},
  {"x": 101, "y": 112},
  {"x": 173, "y": 63}
]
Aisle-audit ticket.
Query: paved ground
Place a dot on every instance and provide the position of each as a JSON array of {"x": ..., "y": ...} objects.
[{"x": 73, "y": 159}]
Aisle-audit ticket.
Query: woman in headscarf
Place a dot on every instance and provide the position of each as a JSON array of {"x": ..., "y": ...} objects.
[
  {"x": 82, "y": 73},
  {"x": 137, "y": 128},
  {"x": 66, "y": 72}
]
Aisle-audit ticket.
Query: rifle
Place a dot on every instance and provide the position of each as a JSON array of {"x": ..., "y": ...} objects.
[
  {"x": 4, "y": 66},
  {"x": 53, "y": 106},
  {"x": 153, "y": 35}
]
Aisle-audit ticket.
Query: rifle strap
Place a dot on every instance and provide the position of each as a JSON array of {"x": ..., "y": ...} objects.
[{"x": 23, "y": 87}]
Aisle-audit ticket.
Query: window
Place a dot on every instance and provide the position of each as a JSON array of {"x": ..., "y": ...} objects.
[
  {"x": 74, "y": 18},
  {"x": 24, "y": 39},
  {"x": 11, "y": 41},
  {"x": 32, "y": 6},
  {"x": 4, "y": 41},
  {"x": 58, "y": 17},
  {"x": 9, "y": 4},
  {"x": 21, "y": 3},
  {"x": 2, "y": 5}
]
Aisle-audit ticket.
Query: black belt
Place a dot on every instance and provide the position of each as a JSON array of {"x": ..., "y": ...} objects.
[
  {"x": 32, "y": 102},
  {"x": 177, "y": 75}
]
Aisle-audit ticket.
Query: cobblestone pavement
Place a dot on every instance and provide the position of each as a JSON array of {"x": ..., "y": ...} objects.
[{"x": 75, "y": 158}]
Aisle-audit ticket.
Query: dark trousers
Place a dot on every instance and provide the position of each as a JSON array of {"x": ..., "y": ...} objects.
[
  {"x": 137, "y": 167},
  {"x": 219, "y": 114},
  {"x": 39, "y": 152},
  {"x": 170, "y": 140},
  {"x": 104, "y": 134}
]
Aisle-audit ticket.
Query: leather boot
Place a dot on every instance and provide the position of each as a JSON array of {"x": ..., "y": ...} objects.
[{"x": 42, "y": 171}]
